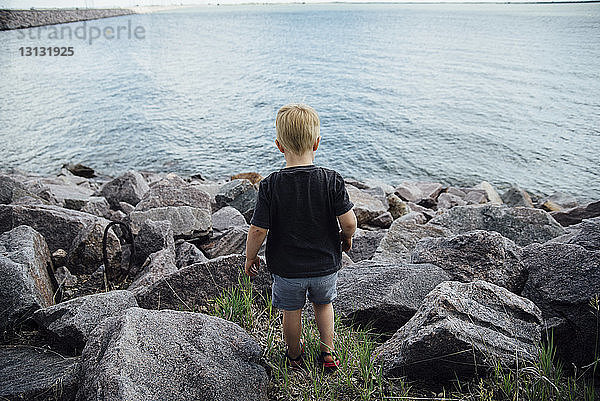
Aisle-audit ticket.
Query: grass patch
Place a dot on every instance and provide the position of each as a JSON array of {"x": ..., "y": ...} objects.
[{"x": 359, "y": 379}]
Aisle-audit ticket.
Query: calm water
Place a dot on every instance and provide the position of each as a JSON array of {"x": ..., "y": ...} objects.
[{"x": 456, "y": 93}]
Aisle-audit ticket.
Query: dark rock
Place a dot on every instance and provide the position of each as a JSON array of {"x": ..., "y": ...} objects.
[
  {"x": 428, "y": 213},
  {"x": 187, "y": 254},
  {"x": 186, "y": 221},
  {"x": 522, "y": 225},
  {"x": 477, "y": 255},
  {"x": 194, "y": 286},
  {"x": 29, "y": 373},
  {"x": 577, "y": 214},
  {"x": 239, "y": 194},
  {"x": 59, "y": 258},
  {"x": 366, "y": 206},
  {"x": 25, "y": 268},
  {"x": 71, "y": 322},
  {"x": 80, "y": 170},
  {"x": 152, "y": 237},
  {"x": 227, "y": 217},
  {"x": 563, "y": 280},
  {"x": 401, "y": 238},
  {"x": 171, "y": 355},
  {"x": 364, "y": 244},
  {"x": 231, "y": 241},
  {"x": 516, "y": 196},
  {"x": 129, "y": 187},
  {"x": 585, "y": 234},
  {"x": 418, "y": 191},
  {"x": 384, "y": 296},
  {"x": 447, "y": 201},
  {"x": 11, "y": 190},
  {"x": 64, "y": 277},
  {"x": 397, "y": 207},
  {"x": 384, "y": 220},
  {"x": 59, "y": 226},
  {"x": 174, "y": 191},
  {"x": 96, "y": 205},
  {"x": 460, "y": 330},
  {"x": 158, "y": 265},
  {"x": 126, "y": 207},
  {"x": 85, "y": 252}
]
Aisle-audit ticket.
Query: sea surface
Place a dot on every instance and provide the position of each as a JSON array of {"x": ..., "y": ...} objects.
[{"x": 456, "y": 93}]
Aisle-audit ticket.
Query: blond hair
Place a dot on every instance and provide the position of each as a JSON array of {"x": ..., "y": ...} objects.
[{"x": 297, "y": 127}]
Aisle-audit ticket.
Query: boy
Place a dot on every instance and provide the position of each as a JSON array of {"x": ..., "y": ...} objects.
[{"x": 299, "y": 207}]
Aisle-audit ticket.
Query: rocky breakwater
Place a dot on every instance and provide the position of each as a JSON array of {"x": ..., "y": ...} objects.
[
  {"x": 19, "y": 19},
  {"x": 457, "y": 279}
]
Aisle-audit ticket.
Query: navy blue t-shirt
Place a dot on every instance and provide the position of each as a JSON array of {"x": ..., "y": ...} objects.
[{"x": 299, "y": 206}]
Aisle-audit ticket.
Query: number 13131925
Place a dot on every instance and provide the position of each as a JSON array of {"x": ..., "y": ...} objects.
[{"x": 47, "y": 51}]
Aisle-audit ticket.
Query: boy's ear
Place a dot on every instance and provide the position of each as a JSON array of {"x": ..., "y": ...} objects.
[
  {"x": 316, "y": 145},
  {"x": 281, "y": 148}
]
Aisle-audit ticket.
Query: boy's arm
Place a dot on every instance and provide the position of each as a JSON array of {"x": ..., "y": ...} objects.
[
  {"x": 256, "y": 236},
  {"x": 348, "y": 225}
]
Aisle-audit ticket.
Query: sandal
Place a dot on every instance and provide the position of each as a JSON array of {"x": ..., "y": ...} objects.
[
  {"x": 296, "y": 362},
  {"x": 329, "y": 365}
]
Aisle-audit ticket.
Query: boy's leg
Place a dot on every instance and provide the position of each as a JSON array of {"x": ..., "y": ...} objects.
[
  {"x": 292, "y": 330},
  {"x": 324, "y": 317}
]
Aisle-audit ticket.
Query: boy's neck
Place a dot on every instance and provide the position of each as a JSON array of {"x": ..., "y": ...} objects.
[{"x": 305, "y": 159}]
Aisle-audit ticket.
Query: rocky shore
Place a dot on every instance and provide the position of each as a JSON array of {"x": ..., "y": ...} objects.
[
  {"x": 458, "y": 280},
  {"x": 19, "y": 19}
]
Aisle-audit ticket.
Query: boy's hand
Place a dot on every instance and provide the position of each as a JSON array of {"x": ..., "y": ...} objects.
[
  {"x": 346, "y": 242},
  {"x": 252, "y": 266}
]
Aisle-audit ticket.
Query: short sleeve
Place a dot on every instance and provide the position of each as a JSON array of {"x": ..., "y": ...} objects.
[
  {"x": 341, "y": 200},
  {"x": 261, "y": 216}
]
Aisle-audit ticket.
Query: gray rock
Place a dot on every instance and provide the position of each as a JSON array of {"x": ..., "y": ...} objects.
[
  {"x": 239, "y": 194},
  {"x": 59, "y": 226},
  {"x": 158, "y": 265},
  {"x": 232, "y": 241},
  {"x": 397, "y": 207},
  {"x": 447, "y": 201},
  {"x": 402, "y": 237},
  {"x": 152, "y": 237},
  {"x": 129, "y": 187},
  {"x": 516, "y": 196},
  {"x": 558, "y": 201},
  {"x": 12, "y": 190},
  {"x": 173, "y": 191},
  {"x": 366, "y": 206},
  {"x": 418, "y": 191},
  {"x": 171, "y": 355},
  {"x": 96, "y": 205},
  {"x": 186, "y": 221},
  {"x": 193, "y": 286},
  {"x": 126, "y": 207},
  {"x": 364, "y": 244},
  {"x": 414, "y": 217},
  {"x": 428, "y": 213},
  {"x": 563, "y": 279},
  {"x": 384, "y": 220},
  {"x": 346, "y": 261},
  {"x": 64, "y": 277},
  {"x": 227, "y": 217},
  {"x": 29, "y": 373},
  {"x": 456, "y": 192},
  {"x": 522, "y": 225},
  {"x": 477, "y": 255},
  {"x": 490, "y": 192},
  {"x": 575, "y": 215},
  {"x": 460, "y": 330},
  {"x": 187, "y": 254},
  {"x": 71, "y": 322},
  {"x": 85, "y": 252},
  {"x": 475, "y": 196},
  {"x": 25, "y": 268},
  {"x": 384, "y": 296},
  {"x": 585, "y": 234}
]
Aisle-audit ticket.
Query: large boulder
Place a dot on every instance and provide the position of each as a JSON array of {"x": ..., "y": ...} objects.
[
  {"x": 187, "y": 254},
  {"x": 577, "y": 214},
  {"x": 586, "y": 234},
  {"x": 477, "y": 255},
  {"x": 419, "y": 191},
  {"x": 84, "y": 256},
  {"x": 226, "y": 218},
  {"x": 563, "y": 281},
  {"x": 58, "y": 226},
  {"x": 193, "y": 287},
  {"x": 186, "y": 221},
  {"x": 384, "y": 296},
  {"x": 25, "y": 268},
  {"x": 71, "y": 322},
  {"x": 364, "y": 244},
  {"x": 12, "y": 190},
  {"x": 239, "y": 194},
  {"x": 463, "y": 329},
  {"x": 171, "y": 355},
  {"x": 402, "y": 237},
  {"x": 30, "y": 373},
  {"x": 231, "y": 241},
  {"x": 448, "y": 200},
  {"x": 96, "y": 205},
  {"x": 522, "y": 225},
  {"x": 152, "y": 237},
  {"x": 157, "y": 266},
  {"x": 129, "y": 187},
  {"x": 174, "y": 191},
  {"x": 367, "y": 207}
]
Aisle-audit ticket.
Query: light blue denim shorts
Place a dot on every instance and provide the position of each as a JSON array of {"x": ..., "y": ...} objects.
[{"x": 290, "y": 293}]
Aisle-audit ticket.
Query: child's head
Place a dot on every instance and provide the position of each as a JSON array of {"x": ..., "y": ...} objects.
[{"x": 297, "y": 127}]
